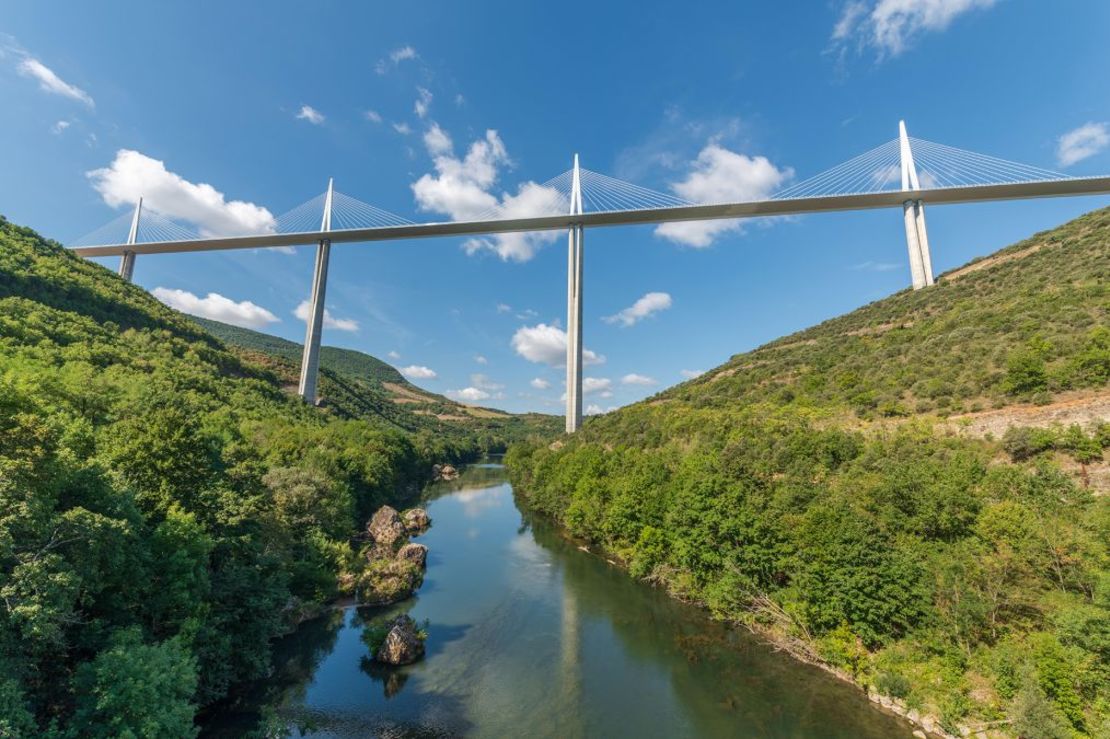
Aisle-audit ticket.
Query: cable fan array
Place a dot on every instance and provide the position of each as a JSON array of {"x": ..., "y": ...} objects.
[{"x": 874, "y": 171}]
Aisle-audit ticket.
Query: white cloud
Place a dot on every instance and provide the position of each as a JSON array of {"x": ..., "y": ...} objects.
[
  {"x": 593, "y": 409},
  {"x": 418, "y": 372},
  {"x": 461, "y": 188},
  {"x": 641, "y": 309},
  {"x": 479, "y": 380},
  {"x": 132, "y": 175},
  {"x": 460, "y": 100},
  {"x": 503, "y": 308},
  {"x": 330, "y": 321},
  {"x": 437, "y": 141},
  {"x": 480, "y": 359},
  {"x": 59, "y": 127},
  {"x": 1080, "y": 143},
  {"x": 52, "y": 83},
  {"x": 402, "y": 128},
  {"x": 540, "y": 383},
  {"x": 394, "y": 355},
  {"x": 373, "y": 116},
  {"x": 423, "y": 102},
  {"x": 310, "y": 114},
  {"x": 870, "y": 266},
  {"x": 889, "y": 26},
  {"x": 591, "y": 385},
  {"x": 635, "y": 379},
  {"x": 721, "y": 176},
  {"x": 468, "y": 394},
  {"x": 546, "y": 344},
  {"x": 691, "y": 374},
  {"x": 216, "y": 307},
  {"x": 404, "y": 53}
]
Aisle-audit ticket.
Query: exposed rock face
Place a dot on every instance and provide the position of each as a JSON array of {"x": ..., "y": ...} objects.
[
  {"x": 386, "y": 529},
  {"x": 444, "y": 472},
  {"x": 386, "y": 581},
  {"x": 417, "y": 554},
  {"x": 415, "y": 520},
  {"x": 402, "y": 645}
]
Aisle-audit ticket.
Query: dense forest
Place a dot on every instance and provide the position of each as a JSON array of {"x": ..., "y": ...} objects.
[
  {"x": 827, "y": 489},
  {"x": 166, "y": 506}
]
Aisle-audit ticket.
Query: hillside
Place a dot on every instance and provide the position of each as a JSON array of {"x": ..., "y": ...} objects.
[
  {"x": 357, "y": 385},
  {"x": 166, "y": 508},
  {"x": 914, "y": 494}
]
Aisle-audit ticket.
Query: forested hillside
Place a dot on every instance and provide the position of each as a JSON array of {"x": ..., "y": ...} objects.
[
  {"x": 166, "y": 508},
  {"x": 357, "y": 385},
  {"x": 832, "y": 490}
]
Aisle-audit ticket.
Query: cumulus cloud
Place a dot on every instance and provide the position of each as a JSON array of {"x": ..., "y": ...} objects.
[
  {"x": 650, "y": 303},
  {"x": 51, "y": 82},
  {"x": 593, "y": 409},
  {"x": 691, "y": 374},
  {"x": 402, "y": 54},
  {"x": 483, "y": 382},
  {"x": 890, "y": 26},
  {"x": 59, "y": 127},
  {"x": 423, "y": 102},
  {"x": 310, "y": 114},
  {"x": 546, "y": 344},
  {"x": 1081, "y": 143},
  {"x": 394, "y": 355},
  {"x": 330, "y": 321},
  {"x": 418, "y": 372},
  {"x": 468, "y": 394},
  {"x": 602, "y": 385},
  {"x": 216, "y": 307},
  {"x": 373, "y": 116},
  {"x": 402, "y": 128},
  {"x": 132, "y": 175},
  {"x": 462, "y": 189},
  {"x": 504, "y": 308},
  {"x": 480, "y": 359},
  {"x": 540, "y": 383},
  {"x": 719, "y": 175},
  {"x": 635, "y": 379}
]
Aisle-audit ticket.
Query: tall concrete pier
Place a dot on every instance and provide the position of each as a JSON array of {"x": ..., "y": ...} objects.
[
  {"x": 310, "y": 360},
  {"x": 574, "y": 306},
  {"x": 127, "y": 259},
  {"x": 913, "y": 212}
]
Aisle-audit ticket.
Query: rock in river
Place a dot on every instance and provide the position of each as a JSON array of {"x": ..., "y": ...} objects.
[
  {"x": 416, "y": 520},
  {"x": 402, "y": 645},
  {"x": 386, "y": 529},
  {"x": 415, "y": 553}
]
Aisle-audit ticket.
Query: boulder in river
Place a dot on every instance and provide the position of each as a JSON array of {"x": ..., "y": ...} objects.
[
  {"x": 403, "y": 644},
  {"x": 415, "y": 520},
  {"x": 386, "y": 529},
  {"x": 414, "y": 553},
  {"x": 385, "y": 581},
  {"x": 444, "y": 472}
]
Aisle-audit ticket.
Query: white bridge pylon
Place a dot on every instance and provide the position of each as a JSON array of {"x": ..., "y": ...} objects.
[{"x": 905, "y": 172}]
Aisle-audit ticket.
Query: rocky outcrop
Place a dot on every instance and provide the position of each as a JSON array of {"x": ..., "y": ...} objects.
[
  {"x": 386, "y": 530},
  {"x": 444, "y": 472},
  {"x": 417, "y": 554},
  {"x": 416, "y": 521},
  {"x": 403, "y": 644},
  {"x": 394, "y": 568}
]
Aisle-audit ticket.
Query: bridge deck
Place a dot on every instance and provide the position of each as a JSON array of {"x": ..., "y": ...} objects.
[{"x": 754, "y": 209}]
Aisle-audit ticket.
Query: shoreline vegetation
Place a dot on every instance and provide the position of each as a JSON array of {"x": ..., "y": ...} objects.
[{"x": 823, "y": 490}]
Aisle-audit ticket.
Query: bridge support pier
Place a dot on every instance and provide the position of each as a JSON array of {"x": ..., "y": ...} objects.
[
  {"x": 310, "y": 359},
  {"x": 913, "y": 212},
  {"x": 575, "y": 240},
  {"x": 127, "y": 259}
]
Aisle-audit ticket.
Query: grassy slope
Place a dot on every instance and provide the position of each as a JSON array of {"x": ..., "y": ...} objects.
[
  {"x": 357, "y": 385},
  {"x": 817, "y": 488}
]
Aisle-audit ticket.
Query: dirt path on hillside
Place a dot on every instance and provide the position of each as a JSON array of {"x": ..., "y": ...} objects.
[{"x": 1083, "y": 408}]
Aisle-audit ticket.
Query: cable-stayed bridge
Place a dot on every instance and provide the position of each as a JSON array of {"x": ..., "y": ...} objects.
[{"x": 905, "y": 172}]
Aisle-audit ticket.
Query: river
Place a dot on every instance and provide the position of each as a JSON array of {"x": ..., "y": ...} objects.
[{"x": 529, "y": 636}]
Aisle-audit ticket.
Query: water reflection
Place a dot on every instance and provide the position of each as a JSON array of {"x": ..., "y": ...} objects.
[{"x": 529, "y": 636}]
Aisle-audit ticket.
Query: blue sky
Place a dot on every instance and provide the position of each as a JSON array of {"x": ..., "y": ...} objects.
[{"x": 216, "y": 95}]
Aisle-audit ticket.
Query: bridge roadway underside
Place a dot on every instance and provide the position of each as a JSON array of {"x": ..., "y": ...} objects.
[{"x": 754, "y": 209}]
